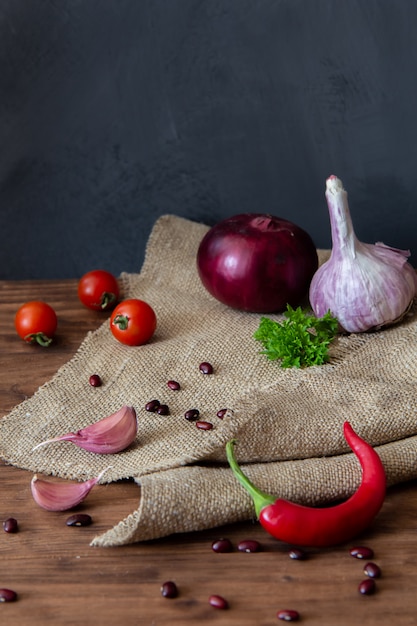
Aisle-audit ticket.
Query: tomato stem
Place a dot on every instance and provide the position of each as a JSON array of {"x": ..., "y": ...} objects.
[
  {"x": 107, "y": 300},
  {"x": 39, "y": 338},
  {"x": 122, "y": 321}
]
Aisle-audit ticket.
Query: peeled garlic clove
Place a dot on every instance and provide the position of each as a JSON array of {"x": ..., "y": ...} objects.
[
  {"x": 61, "y": 496},
  {"x": 365, "y": 286},
  {"x": 109, "y": 435}
]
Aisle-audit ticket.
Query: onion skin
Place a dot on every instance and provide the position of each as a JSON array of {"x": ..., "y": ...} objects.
[{"x": 257, "y": 263}]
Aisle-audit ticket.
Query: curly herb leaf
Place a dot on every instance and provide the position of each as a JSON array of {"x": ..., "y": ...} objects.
[{"x": 300, "y": 340}]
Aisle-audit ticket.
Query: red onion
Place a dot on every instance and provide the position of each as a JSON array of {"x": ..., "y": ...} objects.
[{"x": 257, "y": 263}]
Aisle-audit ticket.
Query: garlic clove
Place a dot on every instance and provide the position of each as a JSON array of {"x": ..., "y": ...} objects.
[
  {"x": 365, "y": 286},
  {"x": 61, "y": 496},
  {"x": 109, "y": 435}
]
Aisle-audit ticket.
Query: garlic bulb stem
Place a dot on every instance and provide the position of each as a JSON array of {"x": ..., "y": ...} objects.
[{"x": 343, "y": 234}]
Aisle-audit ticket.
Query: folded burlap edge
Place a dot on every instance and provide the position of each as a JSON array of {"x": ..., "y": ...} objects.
[{"x": 210, "y": 491}]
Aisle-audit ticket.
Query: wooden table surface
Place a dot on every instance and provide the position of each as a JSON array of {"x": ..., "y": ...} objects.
[{"x": 60, "y": 579}]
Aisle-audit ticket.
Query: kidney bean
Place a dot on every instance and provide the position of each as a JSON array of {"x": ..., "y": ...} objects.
[
  {"x": 206, "y": 368},
  {"x": 79, "y": 519},
  {"x": 222, "y": 545},
  {"x": 288, "y": 615},
  {"x": 202, "y": 425},
  {"x": 152, "y": 406},
  {"x": 221, "y": 413},
  {"x": 95, "y": 380},
  {"x": 7, "y": 595},
  {"x": 172, "y": 384},
  {"x": 362, "y": 552},
  {"x": 367, "y": 587},
  {"x": 372, "y": 570},
  {"x": 298, "y": 555},
  {"x": 218, "y": 602},
  {"x": 10, "y": 525},
  {"x": 192, "y": 415},
  {"x": 163, "y": 409},
  {"x": 249, "y": 545},
  {"x": 169, "y": 589}
]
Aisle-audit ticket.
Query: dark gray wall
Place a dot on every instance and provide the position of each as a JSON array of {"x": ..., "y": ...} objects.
[{"x": 114, "y": 112}]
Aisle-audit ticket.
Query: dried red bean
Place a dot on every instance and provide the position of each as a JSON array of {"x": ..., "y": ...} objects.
[
  {"x": 152, "y": 406},
  {"x": 221, "y": 413},
  {"x": 362, "y": 552},
  {"x": 163, "y": 409},
  {"x": 218, "y": 602},
  {"x": 192, "y": 415},
  {"x": 222, "y": 545},
  {"x": 10, "y": 525},
  {"x": 367, "y": 587},
  {"x": 298, "y": 555},
  {"x": 372, "y": 570},
  {"x": 169, "y": 589},
  {"x": 249, "y": 545},
  {"x": 204, "y": 425},
  {"x": 206, "y": 368},
  {"x": 95, "y": 380},
  {"x": 172, "y": 384},
  {"x": 7, "y": 595},
  {"x": 79, "y": 519},
  {"x": 288, "y": 615}
]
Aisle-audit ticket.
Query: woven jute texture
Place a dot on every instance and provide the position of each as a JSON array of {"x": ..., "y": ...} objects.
[{"x": 287, "y": 422}]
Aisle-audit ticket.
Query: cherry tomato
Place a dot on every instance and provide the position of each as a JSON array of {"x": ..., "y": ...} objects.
[
  {"x": 98, "y": 290},
  {"x": 133, "y": 322},
  {"x": 36, "y": 322}
]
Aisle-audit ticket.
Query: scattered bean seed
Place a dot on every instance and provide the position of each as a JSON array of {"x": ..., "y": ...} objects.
[
  {"x": 206, "y": 368},
  {"x": 192, "y": 415},
  {"x": 249, "y": 545},
  {"x": 372, "y": 570},
  {"x": 95, "y": 380},
  {"x": 288, "y": 615},
  {"x": 222, "y": 545},
  {"x": 172, "y": 384},
  {"x": 152, "y": 406},
  {"x": 362, "y": 552},
  {"x": 218, "y": 602},
  {"x": 298, "y": 555},
  {"x": 367, "y": 587},
  {"x": 7, "y": 595},
  {"x": 202, "y": 425},
  {"x": 79, "y": 519},
  {"x": 163, "y": 409},
  {"x": 221, "y": 413},
  {"x": 169, "y": 589},
  {"x": 10, "y": 525}
]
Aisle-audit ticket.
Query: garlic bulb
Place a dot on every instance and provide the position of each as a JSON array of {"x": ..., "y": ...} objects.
[{"x": 365, "y": 286}]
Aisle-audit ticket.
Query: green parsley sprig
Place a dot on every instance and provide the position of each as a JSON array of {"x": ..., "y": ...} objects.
[{"x": 300, "y": 340}]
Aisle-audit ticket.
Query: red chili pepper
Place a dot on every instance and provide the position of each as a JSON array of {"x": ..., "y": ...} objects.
[{"x": 314, "y": 526}]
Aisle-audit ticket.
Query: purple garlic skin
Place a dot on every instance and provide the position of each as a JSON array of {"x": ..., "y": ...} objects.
[{"x": 365, "y": 286}]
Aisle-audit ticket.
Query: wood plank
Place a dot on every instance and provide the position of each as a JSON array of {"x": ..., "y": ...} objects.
[{"x": 60, "y": 579}]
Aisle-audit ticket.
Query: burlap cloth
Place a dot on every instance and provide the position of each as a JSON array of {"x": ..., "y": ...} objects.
[{"x": 288, "y": 422}]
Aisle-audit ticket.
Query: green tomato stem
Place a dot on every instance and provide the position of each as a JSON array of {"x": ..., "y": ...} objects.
[
  {"x": 107, "y": 300},
  {"x": 39, "y": 338},
  {"x": 260, "y": 498},
  {"x": 122, "y": 321}
]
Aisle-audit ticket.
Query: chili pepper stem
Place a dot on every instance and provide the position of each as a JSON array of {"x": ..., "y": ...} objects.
[{"x": 260, "y": 498}]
